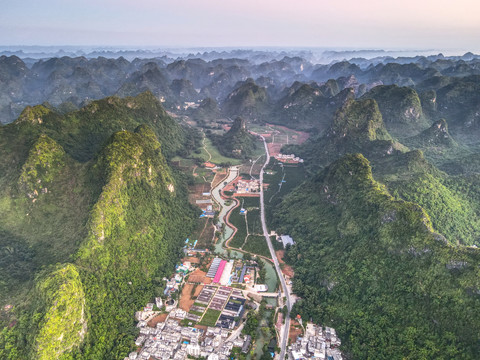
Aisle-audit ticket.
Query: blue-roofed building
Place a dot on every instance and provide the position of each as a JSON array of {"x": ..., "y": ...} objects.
[{"x": 287, "y": 240}]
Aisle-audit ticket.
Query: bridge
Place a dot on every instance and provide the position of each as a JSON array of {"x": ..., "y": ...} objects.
[{"x": 264, "y": 294}]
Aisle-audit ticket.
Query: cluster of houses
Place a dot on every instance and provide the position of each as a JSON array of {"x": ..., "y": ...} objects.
[
  {"x": 317, "y": 343},
  {"x": 170, "y": 340},
  {"x": 247, "y": 187},
  {"x": 148, "y": 311},
  {"x": 205, "y": 202},
  {"x": 181, "y": 271},
  {"x": 247, "y": 275},
  {"x": 289, "y": 159},
  {"x": 186, "y": 105},
  {"x": 207, "y": 328},
  {"x": 244, "y": 187}
]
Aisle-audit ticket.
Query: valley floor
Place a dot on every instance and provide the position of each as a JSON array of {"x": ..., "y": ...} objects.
[{"x": 210, "y": 303}]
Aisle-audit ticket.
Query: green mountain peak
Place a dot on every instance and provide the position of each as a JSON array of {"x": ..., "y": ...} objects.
[
  {"x": 359, "y": 121},
  {"x": 33, "y": 114},
  {"x": 45, "y": 161},
  {"x": 236, "y": 142}
]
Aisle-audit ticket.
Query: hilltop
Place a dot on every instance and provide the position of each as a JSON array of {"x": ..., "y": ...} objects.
[
  {"x": 207, "y": 110},
  {"x": 236, "y": 142},
  {"x": 86, "y": 247},
  {"x": 248, "y": 100},
  {"x": 356, "y": 127},
  {"x": 309, "y": 106},
  {"x": 401, "y": 109},
  {"x": 436, "y": 137}
]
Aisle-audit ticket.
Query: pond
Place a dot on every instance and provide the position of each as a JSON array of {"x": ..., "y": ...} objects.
[{"x": 272, "y": 281}]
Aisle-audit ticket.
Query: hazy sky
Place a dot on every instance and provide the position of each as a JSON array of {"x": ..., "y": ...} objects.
[{"x": 414, "y": 24}]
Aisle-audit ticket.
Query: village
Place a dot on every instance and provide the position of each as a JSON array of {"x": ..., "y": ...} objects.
[
  {"x": 288, "y": 159},
  {"x": 206, "y": 305},
  {"x": 206, "y": 324},
  {"x": 202, "y": 314},
  {"x": 316, "y": 343}
]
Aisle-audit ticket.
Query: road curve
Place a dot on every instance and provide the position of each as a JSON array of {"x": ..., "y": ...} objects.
[{"x": 283, "y": 341}]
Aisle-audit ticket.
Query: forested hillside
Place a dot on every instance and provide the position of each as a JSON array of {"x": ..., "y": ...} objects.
[
  {"x": 88, "y": 241},
  {"x": 386, "y": 248},
  {"x": 390, "y": 285},
  {"x": 236, "y": 142},
  {"x": 449, "y": 200}
]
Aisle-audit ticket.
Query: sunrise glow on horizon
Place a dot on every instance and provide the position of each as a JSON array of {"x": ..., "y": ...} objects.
[{"x": 307, "y": 23}]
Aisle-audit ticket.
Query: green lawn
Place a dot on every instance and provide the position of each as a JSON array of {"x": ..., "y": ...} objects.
[
  {"x": 217, "y": 158},
  {"x": 259, "y": 150},
  {"x": 249, "y": 201},
  {"x": 238, "y": 220},
  {"x": 205, "y": 173},
  {"x": 254, "y": 223},
  {"x": 210, "y": 318},
  {"x": 294, "y": 176},
  {"x": 256, "y": 244},
  {"x": 195, "y": 312}
]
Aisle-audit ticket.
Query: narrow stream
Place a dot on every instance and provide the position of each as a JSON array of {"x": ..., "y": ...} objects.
[{"x": 271, "y": 276}]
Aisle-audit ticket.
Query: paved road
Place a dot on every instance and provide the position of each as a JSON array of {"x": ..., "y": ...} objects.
[
  {"x": 253, "y": 164},
  {"x": 236, "y": 333},
  {"x": 283, "y": 341}
]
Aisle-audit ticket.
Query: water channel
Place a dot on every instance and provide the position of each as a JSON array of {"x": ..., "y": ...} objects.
[
  {"x": 224, "y": 209},
  {"x": 271, "y": 278}
]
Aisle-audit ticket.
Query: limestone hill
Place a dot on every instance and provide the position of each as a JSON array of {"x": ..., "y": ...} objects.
[
  {"x": 236, "y": 142},
  {"x": 389, "y": 285},
  {"x": 89, "y": 225},
  {"x": 248, "y": 100}
]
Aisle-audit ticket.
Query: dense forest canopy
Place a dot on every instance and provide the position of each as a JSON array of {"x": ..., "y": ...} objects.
[{"x": 104, "y": 225}]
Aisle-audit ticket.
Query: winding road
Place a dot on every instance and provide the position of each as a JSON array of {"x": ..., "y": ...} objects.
[
  {"x": 216, "y": 192},
  {"x": 283, "y": 340}
]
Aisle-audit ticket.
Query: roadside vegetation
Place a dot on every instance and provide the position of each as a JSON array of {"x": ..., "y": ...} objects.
[{"x": 388, "y": 284}]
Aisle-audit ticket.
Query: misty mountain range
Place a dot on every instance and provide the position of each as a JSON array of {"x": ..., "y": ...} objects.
[{"x": 71, "y": 82}]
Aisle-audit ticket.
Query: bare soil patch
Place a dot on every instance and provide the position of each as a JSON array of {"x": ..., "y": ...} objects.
[
  {"x": 295, "y": 331},
  {"x": 192, "y": 259},
  {"x": 201, "y": 327},
  {"x": 274, "y": 148},
  {"x": 186, "y": 297},
  {"x": 279, "y": 322},
  {"x": 195, "y": 192},
  {"x": 157, "y": 319},
  {"x": 199, "y": 276},
  {"x": 220, "y": 174},
  {"x": 286, "y": 269}
]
